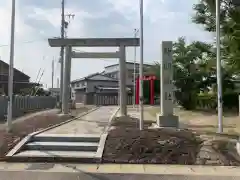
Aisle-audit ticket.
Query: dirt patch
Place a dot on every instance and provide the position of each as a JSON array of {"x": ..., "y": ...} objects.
[
  {"x": 23, "y": 128},
  {"x": 150, "y": 146},
  {"x": 126, "y": 144}
]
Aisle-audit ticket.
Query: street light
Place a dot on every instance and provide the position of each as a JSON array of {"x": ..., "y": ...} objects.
[
  {"x": 134, "y": 70},
  {"x": 141, "y": 67},
  {"x": 10, "y": 74}
]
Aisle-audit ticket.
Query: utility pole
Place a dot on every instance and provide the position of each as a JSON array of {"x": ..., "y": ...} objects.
[
  {"x": 62, "y": 53},
  {"x": 52, "y": 73},
  {"x": 11, "y": 69},
  {"x": 219, "y": 67},
  {"x": 141, "y": 67},
  {"x": 134, "y": 70}
]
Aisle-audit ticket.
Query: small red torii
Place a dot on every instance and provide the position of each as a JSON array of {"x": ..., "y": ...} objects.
[{"x": 150, "y": 78}]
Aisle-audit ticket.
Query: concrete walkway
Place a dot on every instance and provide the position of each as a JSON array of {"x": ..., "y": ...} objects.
[{"x": 92, "y": 123}]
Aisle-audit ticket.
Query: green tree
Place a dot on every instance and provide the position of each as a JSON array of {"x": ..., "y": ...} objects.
[
  {"x": 205, "y": 14},
  {"x": 192, "y": 66}
]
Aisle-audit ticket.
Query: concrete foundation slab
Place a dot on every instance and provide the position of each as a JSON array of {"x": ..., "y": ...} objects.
[{"x": 167, "y": 121}]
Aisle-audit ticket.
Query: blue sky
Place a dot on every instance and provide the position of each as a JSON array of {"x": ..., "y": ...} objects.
[{"x": 36, "y": 20}]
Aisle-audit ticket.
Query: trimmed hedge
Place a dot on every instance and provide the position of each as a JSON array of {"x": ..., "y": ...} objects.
[
  {"x": 230, "y": 100},
  {"x": 209, "y": 101},
  {"x": 206, "y": 101}
]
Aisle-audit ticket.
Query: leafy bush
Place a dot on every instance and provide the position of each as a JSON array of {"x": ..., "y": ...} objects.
[
  {"x": 230, "y": 100},
  {"x": 187, "y": 100},
  {"x": 209, "y": 101}
]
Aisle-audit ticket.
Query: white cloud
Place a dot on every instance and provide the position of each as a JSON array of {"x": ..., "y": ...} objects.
[
  {"x": 37, "y": 23},
  {"x": 28, "y": 56},
  {"x": 50, "y": 15}
]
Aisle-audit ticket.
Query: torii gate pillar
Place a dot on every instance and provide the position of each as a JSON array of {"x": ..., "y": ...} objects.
[
  {"x": 95, "y": 42},
  {"x": 67, "y": 80}
]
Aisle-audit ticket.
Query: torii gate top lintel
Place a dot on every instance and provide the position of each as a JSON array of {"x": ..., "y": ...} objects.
[{"x": 94, "y": 42}]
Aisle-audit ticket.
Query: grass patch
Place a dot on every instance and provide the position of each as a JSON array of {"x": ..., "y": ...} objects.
[{"x": 204, "y": 121}]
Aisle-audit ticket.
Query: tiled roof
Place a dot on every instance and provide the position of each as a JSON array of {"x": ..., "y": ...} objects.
[
  {"x": 89, "y": 77},
  {"x": 127, "y": 63},
  {"x": 1, "y": 61}
]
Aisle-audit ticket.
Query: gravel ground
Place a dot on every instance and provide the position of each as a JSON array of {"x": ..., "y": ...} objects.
[
  {"x": 23, "y": 128},
  {"x": 126, "y": 144}
]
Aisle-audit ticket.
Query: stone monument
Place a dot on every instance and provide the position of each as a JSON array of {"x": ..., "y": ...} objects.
[{"x": 166, "y": 117}]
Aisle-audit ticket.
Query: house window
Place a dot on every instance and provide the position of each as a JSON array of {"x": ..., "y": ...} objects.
[{"x": 82, "y": 84}]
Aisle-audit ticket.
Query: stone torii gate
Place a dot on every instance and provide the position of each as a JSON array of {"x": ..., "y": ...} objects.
[{"x": 94, "y": 42}]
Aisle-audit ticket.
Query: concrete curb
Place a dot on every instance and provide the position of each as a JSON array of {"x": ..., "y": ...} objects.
[
  {"x": 28, "y": 138},
  {"x": 101, "y": 146},
  {"x": 110, "y": 119},
  {"x": 104, "y": 135},
  {"x": 238, "y": 146},
  {"x": 19, "y": 146},
  {"x": 188, "y": 171}
]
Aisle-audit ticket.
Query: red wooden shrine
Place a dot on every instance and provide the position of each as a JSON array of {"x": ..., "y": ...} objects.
[{"x": 150, "y": 78}]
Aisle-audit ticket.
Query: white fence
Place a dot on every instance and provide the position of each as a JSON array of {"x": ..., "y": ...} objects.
[{"x": 24, "y": 104}]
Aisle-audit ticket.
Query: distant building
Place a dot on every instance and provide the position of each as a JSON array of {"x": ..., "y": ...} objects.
[
  {"x": 54, "y": 91},
  {"x": 113, "y": 71},
  {"x": 104, "y": 82},
  {"x": 91, "y": 84},
  {"x": 20, "y": 80}
]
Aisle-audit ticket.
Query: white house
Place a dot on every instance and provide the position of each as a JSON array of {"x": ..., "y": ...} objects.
[{"x": 106, "y": 81}]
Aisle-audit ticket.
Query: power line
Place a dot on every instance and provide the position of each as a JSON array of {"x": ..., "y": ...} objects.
[{"x": 25, "y": 42}]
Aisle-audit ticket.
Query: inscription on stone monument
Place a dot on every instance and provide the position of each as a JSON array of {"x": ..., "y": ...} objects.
[
  {"x": 166, "y": 79},
  {"x": 166, "y": 118}
]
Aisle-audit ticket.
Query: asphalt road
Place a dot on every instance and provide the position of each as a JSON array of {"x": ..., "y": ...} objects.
[{"x": 31, "y": 175}]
